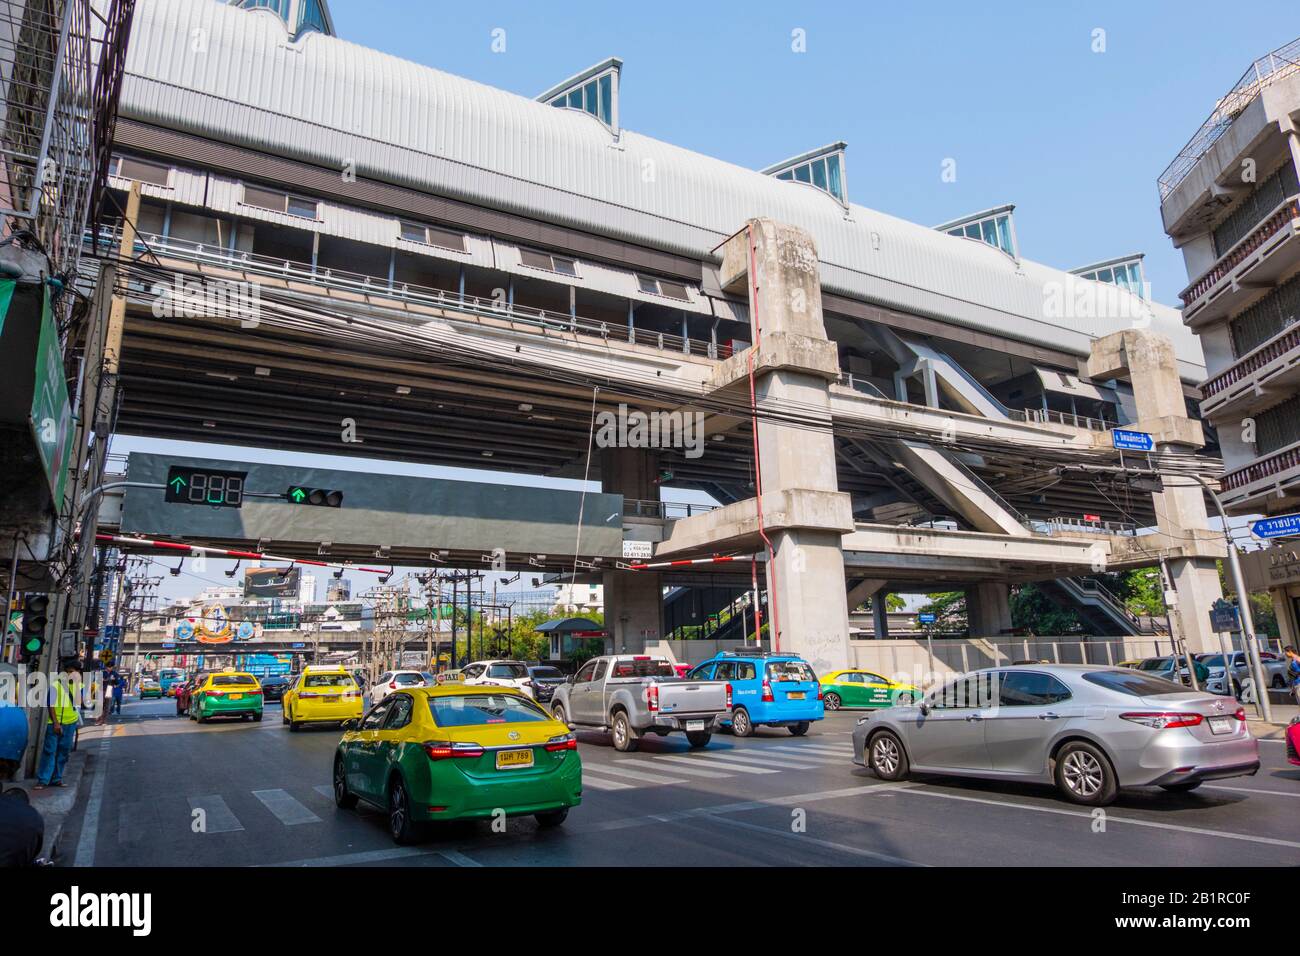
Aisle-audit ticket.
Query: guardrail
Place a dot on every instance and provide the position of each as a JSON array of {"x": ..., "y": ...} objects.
[
  {"x": 1270, "y": 226},
  {"x": 1257, "y": 471},
  {"x": 1253, "y": 361},
  {"x": 663, "y": 510},
  {"x": 330, "y": 278}
]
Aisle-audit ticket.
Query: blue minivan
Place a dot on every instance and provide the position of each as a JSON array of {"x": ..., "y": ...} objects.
[{"x": 774, "y": 690}]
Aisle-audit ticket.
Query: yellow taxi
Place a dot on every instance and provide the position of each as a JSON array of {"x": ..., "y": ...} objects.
[{"x": 322, "y": 695}]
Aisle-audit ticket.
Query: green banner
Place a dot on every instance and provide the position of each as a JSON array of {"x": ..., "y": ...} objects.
[
  {"x": 6, "y": 294},
  {"x": 51, "y": 415}
]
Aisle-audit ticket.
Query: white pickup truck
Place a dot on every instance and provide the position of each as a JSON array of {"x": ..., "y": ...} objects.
[{"x": 634, "y": 694}]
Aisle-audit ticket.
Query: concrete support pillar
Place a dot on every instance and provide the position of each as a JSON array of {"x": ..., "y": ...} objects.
[
  {"x": 988, "y": 610},
  {"x": 793, "y": 365},
  {"x": 1147, "y": 360},
  {"x": 861, "y": 592},
  {"x": 880, "y": 614},
  {"x": 634, "y": 605},
  {"x": 634, "y": 609}
]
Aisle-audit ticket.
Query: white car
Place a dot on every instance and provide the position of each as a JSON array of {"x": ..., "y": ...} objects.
[
  {"x": 498, "y": 674},
  {"x": 390, "y": 681}
]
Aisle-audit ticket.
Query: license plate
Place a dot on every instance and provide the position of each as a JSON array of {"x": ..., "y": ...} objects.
[
  {"x": 795, "y": 695},
  {"x": 236, "y": 696},
  {"x": 511, "y": 759},
  {"x": 332, "y": 699},
  {"x": 694, "y": 725},
  {"x": 1221, "y": 725}
]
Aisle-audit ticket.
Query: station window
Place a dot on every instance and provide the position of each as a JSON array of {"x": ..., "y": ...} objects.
[
  {"x": 433, "y": 236},
  {"x": 140, "y": 170},
  {"x": 993, "y": 229},
  {"x": 664, "y": 287},
  {"x": 278, "y": 201},
  {"x": 824, "y": 173},
  {"x": 544, "y": 260},
  {"x": 1126, "y": 275},
  {"x": 596, "y": 96}
]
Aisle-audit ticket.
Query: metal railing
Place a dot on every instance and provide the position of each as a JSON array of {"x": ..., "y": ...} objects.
[
  {"x": 1061, "y": 523},
  {"x": 1252, "y": 362},
  {"x": 1091, "y": 587},
  {"x": 663, "y": 510},
  {"x": 1274, "y": 464},
  {"x": 1282, "y": 62},
  {"x": 1275, "y": 222},
  {"x": 155, "y": 246}
]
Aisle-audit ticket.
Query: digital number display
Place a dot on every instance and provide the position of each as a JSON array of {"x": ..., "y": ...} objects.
[{"x": 205, "y": 486}]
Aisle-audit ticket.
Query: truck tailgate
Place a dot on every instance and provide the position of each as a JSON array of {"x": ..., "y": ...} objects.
[{"x": 692, "y": 697}]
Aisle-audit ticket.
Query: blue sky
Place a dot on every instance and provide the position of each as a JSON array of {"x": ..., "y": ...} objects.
[{"x": 1013, "y": 92}]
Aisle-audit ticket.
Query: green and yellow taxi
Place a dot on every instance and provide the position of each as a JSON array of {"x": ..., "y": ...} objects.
[
  {"x": 859, "y": 688},
  {"x": 455, "y": 752},
  {"x": 322, "y": 694},
  {"x": 226, "y": 694}
]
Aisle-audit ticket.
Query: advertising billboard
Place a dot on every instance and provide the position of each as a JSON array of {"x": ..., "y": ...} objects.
[{"x": 272, "y": 582}]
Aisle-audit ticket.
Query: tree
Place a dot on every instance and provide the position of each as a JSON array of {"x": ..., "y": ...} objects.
[
  {"x": 1035, "y": 612},
  {"x": 949, "y": 610}
]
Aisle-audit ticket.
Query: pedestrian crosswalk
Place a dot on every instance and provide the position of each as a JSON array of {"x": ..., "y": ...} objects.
[
  {"x": 603, "y": 770},
  {"x": 645, "y": 768}
]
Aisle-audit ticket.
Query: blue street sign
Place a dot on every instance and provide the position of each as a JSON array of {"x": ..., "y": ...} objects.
[
  {"x": 1132, "y": 441},
  {"x": 927, "y": 618},
  {"x": 1276, "y": 527},
  {"x": 1223, "y": 616}
]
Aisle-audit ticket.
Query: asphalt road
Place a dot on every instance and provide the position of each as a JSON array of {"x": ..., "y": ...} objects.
[{"x": 768, "y": 799}]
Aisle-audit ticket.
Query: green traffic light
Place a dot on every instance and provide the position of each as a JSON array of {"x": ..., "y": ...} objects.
[
  {"x": 33, "y": 644},
  {"x": 178, "y": 482},
  {"x": 297, "y": 494}
]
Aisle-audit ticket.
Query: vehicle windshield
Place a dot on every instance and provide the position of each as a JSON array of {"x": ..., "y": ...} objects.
[
  {"x": 547, "y": 673},
  {"x": 1155, "y": 664},
  {"x": 789, "y": 670},
  {"x": 508, "y": 671},
  {"x": 1133, "y": 683},
  {"x": 645, "y": 668},
  {"x": 1211, "y": 660},
  {"x": 233, "y": 680},
  {"x": 406, "y": 680},
  {"x": 471, "y": 710},
  {"x": 327, "y": 680}
]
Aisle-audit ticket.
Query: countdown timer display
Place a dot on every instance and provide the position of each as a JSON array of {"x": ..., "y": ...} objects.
[{"x": 205, "y": 486}]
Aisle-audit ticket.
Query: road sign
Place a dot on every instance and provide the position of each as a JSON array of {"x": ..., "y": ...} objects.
[
  {"x": 1223, "y": 616},
  {"x": 1132, "y": 441},
  {"x": 927, "y": 618},
  {"x": 1279, "y": 527},
  {"x": 638, "y": 549}
]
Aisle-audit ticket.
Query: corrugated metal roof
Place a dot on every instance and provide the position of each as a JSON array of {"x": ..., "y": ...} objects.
[{"x": 327, "y": 101}]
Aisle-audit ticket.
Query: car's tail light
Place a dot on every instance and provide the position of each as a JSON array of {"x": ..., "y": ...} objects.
[
  {"x": 392, "y": 685},
  {"x": 767, "y": 692},
  {"x": 216, "y": 693},
  {"x": 308, "y": 693},
  {"x": 1240, "y": 714},
  {"x": 819, "y": 691},
  {"x": 562, "y": 742},
  {"x": 652, "y": 697},
  {"x": 728, "y": 695},
  {"x": 445, "y": 749},
  {"x": 1163, "y": 720}
]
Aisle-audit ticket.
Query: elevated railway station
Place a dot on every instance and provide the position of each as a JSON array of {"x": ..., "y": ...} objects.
[{"x": 362, "y": 256}]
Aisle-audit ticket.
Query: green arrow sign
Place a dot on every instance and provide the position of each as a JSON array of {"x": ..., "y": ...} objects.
[
  {"x": 177, "y": 483},
  {"x": 297, "y": 494}
]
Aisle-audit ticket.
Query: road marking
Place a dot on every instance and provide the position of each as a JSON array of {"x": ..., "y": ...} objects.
[
  {"x": 325, "y": 790},
  {"x": 365, "y": 856},
  {"x": 1275, "y": 793},
  {"x": 829, "y": 844},
  {"x": 923, "y": 790},
  {"x": 725, "y": 764},
  {"x": 815, "y": 748},
  {"x": 458, "y": 858},
  {"x": 632, "y": 774},
  {"x": 85, "y": 855},
  {"x": 286, "y": 809},
  {"x": 788, "y": 756},
  {"x": 590, "y": 781},
  {"x": 689, "y": 771},
  {"x": 218, "y": 817},
  {"x": 779, "y": 761}
]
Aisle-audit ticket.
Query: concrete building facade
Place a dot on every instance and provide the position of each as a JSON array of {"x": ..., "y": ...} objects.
[{"x": 1231, "y": 203}]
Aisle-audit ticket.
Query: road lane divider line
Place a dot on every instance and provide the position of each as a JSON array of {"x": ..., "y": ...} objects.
[
  {"x": 720, "y": 762},
  {"x": 675, "y": 768},
  {"x": 776, "y": 761},
  {"x": 458, "y": 858},
  {"x": 1272, "y": 793},
  {"x": 85, "y": 855},
  {"x": 285, "y": 807},
  {"x": 923, "y": 790}
]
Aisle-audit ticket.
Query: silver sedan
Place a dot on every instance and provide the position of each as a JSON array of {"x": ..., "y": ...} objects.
[{"x": 1090, "y": 730}]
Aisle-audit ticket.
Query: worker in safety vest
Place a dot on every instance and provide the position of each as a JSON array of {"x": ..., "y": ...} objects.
[{"x": 61, "y": 729}]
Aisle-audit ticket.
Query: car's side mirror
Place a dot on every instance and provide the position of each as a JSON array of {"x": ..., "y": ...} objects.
[
  {"x": 925, "y": 709},
  {"x": 571, "y": 725},
  {"x": 569, "y": 679},
  {"x": 351, "y": 724}
]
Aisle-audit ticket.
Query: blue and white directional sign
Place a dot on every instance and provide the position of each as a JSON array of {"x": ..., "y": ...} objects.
[
  {"x": 1126, "y": 440},
  {"x": 926, "y": 618},
  {"x": 1278, "y": 527}
]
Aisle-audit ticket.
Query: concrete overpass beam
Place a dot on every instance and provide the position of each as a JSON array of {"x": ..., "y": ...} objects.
[{"x": 988, "y": 610}]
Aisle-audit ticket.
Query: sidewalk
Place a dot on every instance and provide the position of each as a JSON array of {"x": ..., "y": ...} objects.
[
  {"x": 1282, "y": 716},
  {"x": 54, "y": 804}
]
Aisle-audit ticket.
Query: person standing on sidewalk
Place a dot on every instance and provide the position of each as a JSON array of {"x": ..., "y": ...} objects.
[
  {"x": 119, "y": 688},
  {"x": 61, "y": 729},
  {"x": 1293, "y": 671}
]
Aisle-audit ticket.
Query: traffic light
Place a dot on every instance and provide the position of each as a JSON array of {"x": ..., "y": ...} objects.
[
  {"x": 32, "y": 637},
  {"x": 321, "y": 497}
]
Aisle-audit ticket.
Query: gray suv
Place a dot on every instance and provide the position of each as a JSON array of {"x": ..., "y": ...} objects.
[{"x": 1090, "y": 730}]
